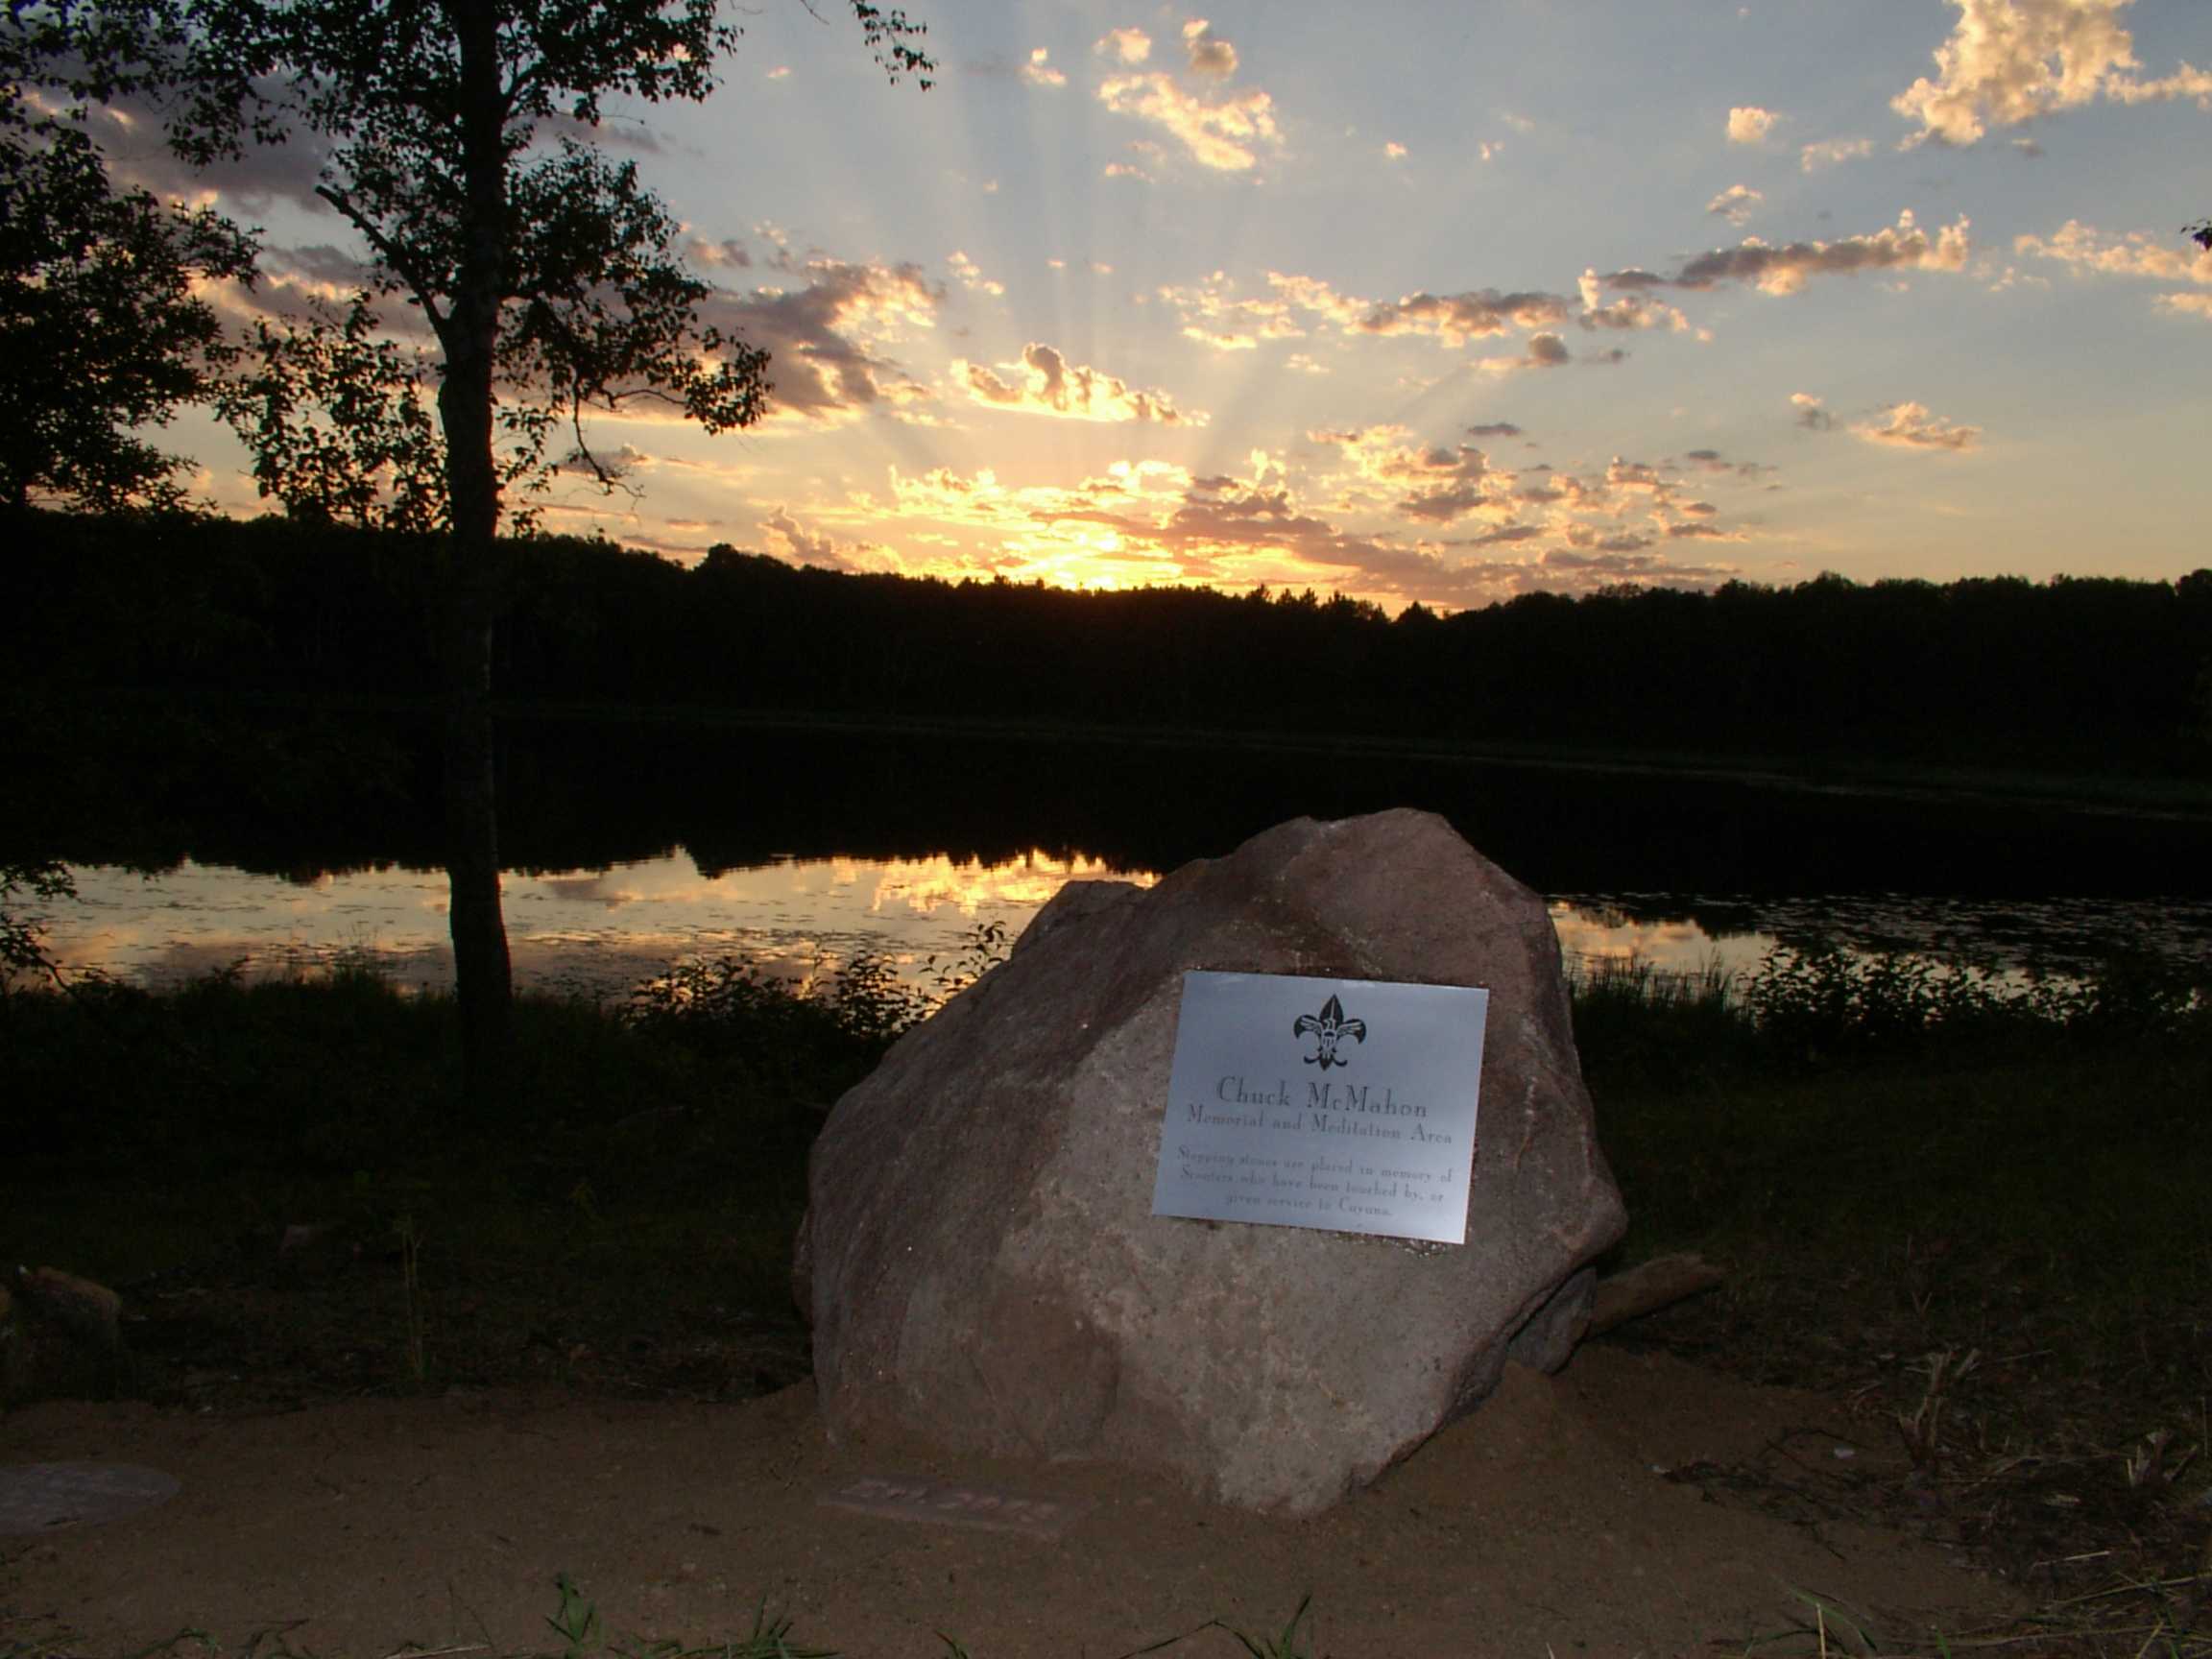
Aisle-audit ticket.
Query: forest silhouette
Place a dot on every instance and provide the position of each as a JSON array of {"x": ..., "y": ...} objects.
[{"x": 2099, "y": 675}]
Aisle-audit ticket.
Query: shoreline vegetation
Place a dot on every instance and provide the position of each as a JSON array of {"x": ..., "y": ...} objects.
[{"x": 1971, "y": 1206}]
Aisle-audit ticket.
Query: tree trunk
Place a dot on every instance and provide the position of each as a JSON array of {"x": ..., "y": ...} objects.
[
  {"x": 483, "y": 979},
  {"x": 482, "y": 975}
]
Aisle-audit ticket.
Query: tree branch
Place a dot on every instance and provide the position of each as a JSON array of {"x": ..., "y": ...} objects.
[{"x": 390, "y": 251}]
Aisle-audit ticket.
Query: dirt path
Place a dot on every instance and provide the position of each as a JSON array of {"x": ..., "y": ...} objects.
[{"x": 1618, "y": 1508}]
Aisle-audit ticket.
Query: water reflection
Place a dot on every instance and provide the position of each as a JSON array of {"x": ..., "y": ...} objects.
[
  {"x": 601, "y": 931},
  {"x": 596, "y": 932},
  {"x": 1595, "y": 929}
]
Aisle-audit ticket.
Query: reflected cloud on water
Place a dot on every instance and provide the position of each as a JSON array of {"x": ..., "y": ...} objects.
[
  {"x": 596, "y": 933},
  {"x": 600, "y": 932}
]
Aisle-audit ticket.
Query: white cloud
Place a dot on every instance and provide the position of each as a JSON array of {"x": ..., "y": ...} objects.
[
  {"x": 1833, "y": 151},
  {"x": 2010, "y": 61},
  {"x": 1394, "y": 151},
  {"x": 1210, "y": 55},
  {"x": 1735, "y": 203},
  {"x": 1748, "y": 124},
  {"x": 1039, "y": 73},
  {"x": 2196, "y": 304},
  {"x": 1911, "y": 426}
]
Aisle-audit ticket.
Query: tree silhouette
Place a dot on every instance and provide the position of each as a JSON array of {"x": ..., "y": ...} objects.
[
  {"x": 102, "y": 333},
  {"x": 339, "y": 421},
  {"x": 542, "y": 268}
]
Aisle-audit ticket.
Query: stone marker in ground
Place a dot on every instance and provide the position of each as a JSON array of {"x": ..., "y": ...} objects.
[
  {"x": 980, "y": 1257},
  {"x": 52, "y": 1497}
]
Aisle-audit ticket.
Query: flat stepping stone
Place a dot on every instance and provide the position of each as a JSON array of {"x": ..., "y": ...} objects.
[
  {"x": 993, "y": 1509},
  {"x": 51, "y": 1497}
]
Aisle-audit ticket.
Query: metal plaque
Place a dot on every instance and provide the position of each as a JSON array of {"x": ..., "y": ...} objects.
[{"x": 1346, "y": 1104}]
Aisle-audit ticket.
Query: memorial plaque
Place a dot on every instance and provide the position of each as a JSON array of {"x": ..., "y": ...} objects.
[{"x": 1346, "y": 1104}]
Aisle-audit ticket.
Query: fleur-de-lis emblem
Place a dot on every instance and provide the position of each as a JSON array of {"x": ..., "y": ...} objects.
[{"x": 1328, "y": 1029}]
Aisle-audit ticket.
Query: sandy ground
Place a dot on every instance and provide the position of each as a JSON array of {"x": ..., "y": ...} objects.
[{"x": 1632, "y": 1504}]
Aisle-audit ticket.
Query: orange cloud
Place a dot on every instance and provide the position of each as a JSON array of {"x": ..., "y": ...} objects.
[
  {"x": 971, "y": 275},
  {"x": 1810, "y": 414},
  {"x": 1833, "y": 151},
  {"x": 1428, "y": 483},
  {"x": 1124, "y": 45},
  {"x": 1051, "y": 385},
  {"x": 1748, "y": 124},
  {"x": 1213, "y": 314},
  {"x": 1208, "y": 53},
  {"x": 1149, "y": 522},
  {"x": 1454, "y": 319},
  {"x": 1226, "y": 134},
  {"x": 1735, "y": 203},
  {"x": 1911, "y": 426},
  {"x": 2137, "y": 253},
  {"x": 825, "y": 340},
  {"x": 1785, "y": 268},
  {"x": 2008, "y": 62}
]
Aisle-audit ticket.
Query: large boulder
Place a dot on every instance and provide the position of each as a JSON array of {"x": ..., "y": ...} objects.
[{"x": 984, "y": 1265}]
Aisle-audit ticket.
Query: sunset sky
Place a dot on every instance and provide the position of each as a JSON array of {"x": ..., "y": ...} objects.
[{"x": 1434, "y": 301}]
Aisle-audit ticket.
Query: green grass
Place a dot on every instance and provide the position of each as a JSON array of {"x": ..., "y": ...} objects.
[
  {"x": 1973, "y": 1208},
  {"x": 1888, "y": 1152},
  {"x": 1978, "y": 1211},
  {"x": 576, "y": 1627}
]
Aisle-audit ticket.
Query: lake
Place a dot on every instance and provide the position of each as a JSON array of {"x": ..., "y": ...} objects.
[{"x": 634, "y": 847}]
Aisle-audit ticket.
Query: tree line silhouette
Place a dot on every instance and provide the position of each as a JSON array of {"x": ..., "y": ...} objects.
[{"x": 2099, "y": 675}]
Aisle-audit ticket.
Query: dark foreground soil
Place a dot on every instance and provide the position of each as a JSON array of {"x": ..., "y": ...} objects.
[{"x": 1635, "y": 1503}]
